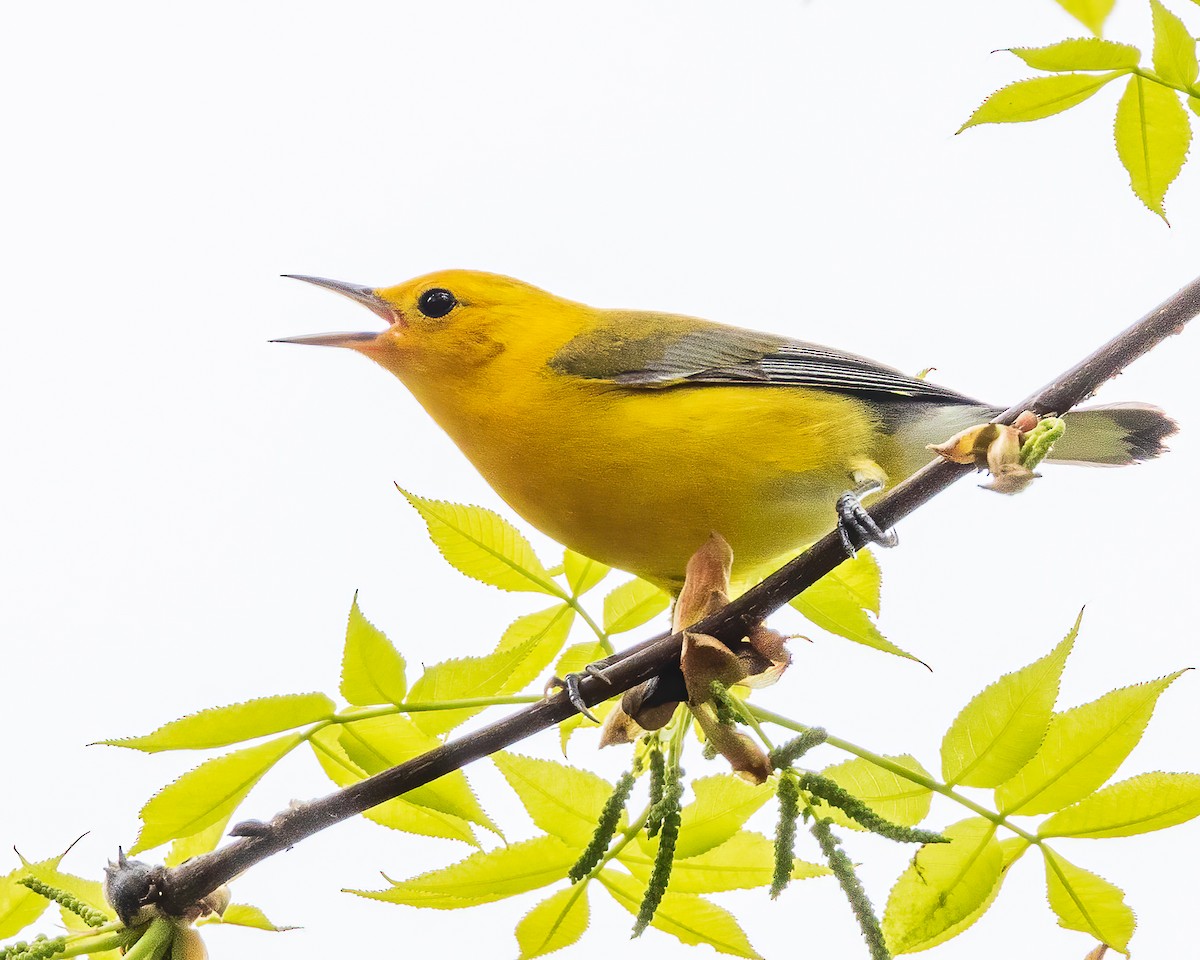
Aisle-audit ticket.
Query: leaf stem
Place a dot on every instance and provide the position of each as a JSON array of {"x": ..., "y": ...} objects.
[{"x": 901, "y": 771}]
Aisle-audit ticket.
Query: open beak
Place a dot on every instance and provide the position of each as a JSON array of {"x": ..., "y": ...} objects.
[{"x": 359, "y": 294}]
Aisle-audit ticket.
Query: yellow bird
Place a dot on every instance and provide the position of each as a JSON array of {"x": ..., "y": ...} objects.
[{"x": 630, "y": 436}]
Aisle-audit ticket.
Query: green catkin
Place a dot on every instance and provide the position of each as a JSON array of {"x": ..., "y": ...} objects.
[
  {"x": 40, "y": 949},
  {"x": 825, "y": 789},
  {"x": 89, "y": 915},
  {"x": 729, "y": 712},
  {"x": 788, "y": 753},
  {"x": 843, "y": 869},
  {"x": 788, "y": 793},
  {"x": 610, "y": 817},
  {"x": 660, "y": 876},
  {"x": 659, "y": 808},
  {"x": 658, "y": 767}
]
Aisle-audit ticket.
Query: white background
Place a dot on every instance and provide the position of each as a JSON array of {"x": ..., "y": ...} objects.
[{"x": 187, "y": 509}]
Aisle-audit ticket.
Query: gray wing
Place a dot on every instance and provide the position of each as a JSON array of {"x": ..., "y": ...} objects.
[{"x": 660, "y": 351}]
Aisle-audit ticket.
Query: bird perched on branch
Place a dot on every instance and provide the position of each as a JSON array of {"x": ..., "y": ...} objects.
[{"x": 630, "y": 436}]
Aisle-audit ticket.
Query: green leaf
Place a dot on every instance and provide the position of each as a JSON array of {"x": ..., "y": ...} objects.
[
  {"x": 379, "y": 743},
  {"x": 556, "y": 922},
  {"x": 890, "y": 795},
  {"x": 1011, "y": 849},
  {"x": 944, "y": 885},
  {"x": 1001, "y": 728},
  {"x": 1174, "y": 47},
  {"x": 549, "y": 628},
  {"x": 1086, "y": 53},
  {"x": 1086, "y": 902},
  {"x": 204, "y": 841},
  {"x": 467, "y": 678},
  {"x": 1149, "y": 801},
  {"x": 483, "y": 545},
  {"x": 844, "y": 600},
  {"x": 632, "y": 604},
  {"x": 563, "y": 801},
  {"x": 20, "y": 906},
  {"x": 1083, "y": 748},
  {"x": 744, "y": 861},
  {"x": 221, "y": 726},
  {"x": 1194, "y": 105},
  {"x": 397, "y": 814},
  {"x": 483, "y": 877},
  {"x": 688, "y": 918},
  {"x": 1152, "y": 134},
  {"x": 372, "y": 668},
  {"x": 209, "y": 792},
  {"x": 579, "y": 655},
  {"x": 1038, "y": 98},
  {"x": 1091, "y": 13},
  {"x": 721, "y": 805},
  {"x": 244, "y": 915},
  {"x": 582, "y": 572}
]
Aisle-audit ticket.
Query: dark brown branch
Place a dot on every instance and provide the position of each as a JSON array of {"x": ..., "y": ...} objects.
[{"x": 186, "y": 884}]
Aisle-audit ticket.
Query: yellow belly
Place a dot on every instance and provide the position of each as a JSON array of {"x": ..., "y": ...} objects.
[{"x": 638, "y": 479}]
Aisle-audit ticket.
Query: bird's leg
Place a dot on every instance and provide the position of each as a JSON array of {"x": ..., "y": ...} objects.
[{"x": 856, "y": 526}]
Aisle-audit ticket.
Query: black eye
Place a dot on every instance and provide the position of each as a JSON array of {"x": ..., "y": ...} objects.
[{"x": 436, "y": 303}]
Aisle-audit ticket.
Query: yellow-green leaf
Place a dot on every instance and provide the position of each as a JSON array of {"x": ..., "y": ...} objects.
[
  {"x": 721, "y": 805},
  {"x": 221, "y": 726},
  {"x": 244, "y": 915},
  {"x": 397, "y": 814},
  {"x": 561, "y": 800},
  {"x": 1083, "y": 53},
  {"x": 1088, "y": 903},
  {"x": 889, "y": 794},
  {"x": 1083, "y": 748},
  {"x": 944, "y": 885},
  {"x": 632, "y": 604},
  {"x": 1152, "y": 134},
  {"x": 744, "y": 861},
  {"x": 1091, "y": 13},
  {"x": 372, "y": 668},
  {"x": 549, "y": 628},
  {"x": 582, "y": 572},
  {"x": 1149, "y": 801},
  {"x": 575, "y": 722},
  {"x": 688, "y": 918},
  {"x": 844, "y": 601},
  {"x": 579, "y": 655},
  {"x": 20, "y": 906},
  {"x": 484, "y": 877},
  {"x": 1001, "y": 728},
  {"x": 379, "y": 743},
  {"x": 1174, "y": 47},
  {"x": 209, "y": 792},
  {"x": 466, "y": 678},
  {"x": 1037, "y": 98},
  {"x": 204, "y": 841},
  {"x": 1011, "y": 850},
  {"x": 1194, "y": 104},
  {"x": 556, "y": 922},
  {"x": 483, "y": 545}
]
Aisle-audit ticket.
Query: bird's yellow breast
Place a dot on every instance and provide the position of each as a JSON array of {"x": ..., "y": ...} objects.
[{"x": 639, "y": 478}]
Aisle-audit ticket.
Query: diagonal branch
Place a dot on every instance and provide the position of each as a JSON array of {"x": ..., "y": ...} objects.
[{"x": 184, "y": 885}]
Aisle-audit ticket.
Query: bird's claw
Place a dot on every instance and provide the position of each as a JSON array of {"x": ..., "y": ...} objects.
[
  {"x": 570, "y": 684},
  {"x": 857, "y": 528}
]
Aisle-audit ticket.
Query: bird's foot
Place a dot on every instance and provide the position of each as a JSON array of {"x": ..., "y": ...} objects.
[
  {"x": 570, "y": 684},
  {"x": 857, "y": 527}
]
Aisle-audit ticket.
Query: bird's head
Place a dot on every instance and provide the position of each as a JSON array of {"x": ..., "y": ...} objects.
[{"x": 448, "y": 323}]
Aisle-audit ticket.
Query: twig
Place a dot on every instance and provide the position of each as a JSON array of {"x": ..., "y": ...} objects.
[{"x": 185, "y": 885}]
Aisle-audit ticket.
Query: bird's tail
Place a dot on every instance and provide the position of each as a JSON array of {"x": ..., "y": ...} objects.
[{"x": 1113, "y": 435}]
